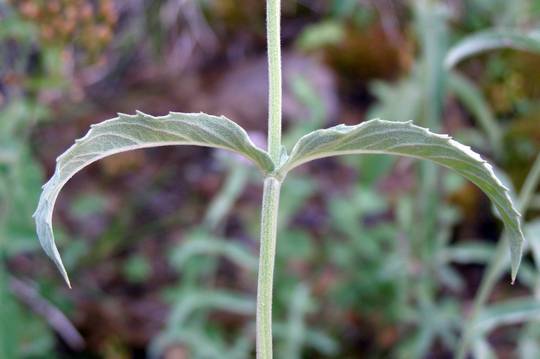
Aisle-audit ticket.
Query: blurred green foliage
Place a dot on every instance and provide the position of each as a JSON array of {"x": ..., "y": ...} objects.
[{"x": 369, "y": 270}]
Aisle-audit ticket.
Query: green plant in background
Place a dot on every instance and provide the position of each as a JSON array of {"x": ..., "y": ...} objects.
[
  {"x": 128, "y": 132},
  {"x": 422, "y": 93},
  {"x": 20, "y": 179},
  {"x": 198, "y": 257},
  {"x": 482, "y": 319}
]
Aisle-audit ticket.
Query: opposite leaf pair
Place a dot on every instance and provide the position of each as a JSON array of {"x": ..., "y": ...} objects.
[{"x": 127, "y": 132}]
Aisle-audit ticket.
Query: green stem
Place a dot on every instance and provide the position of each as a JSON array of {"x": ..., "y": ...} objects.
[
  {"x": 269, "y": 218},
  {"x": 273, "y": 13},
  {"x": 499, "y": 260},
  {"x": 272, "y": 186}
]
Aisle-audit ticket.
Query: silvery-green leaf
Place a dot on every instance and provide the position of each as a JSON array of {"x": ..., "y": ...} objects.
[
  {"x": 406, "y": 139},
  {"x": 473, "y": 99},
  {"x": 532, "y": 229},
  {"x": 125, "y": 133},
  {"x": 513, "y": 311},
  {"x": 202, "y": 243},
  {"x": 402, "y": 100},
  {"x": 491, "y": 40}
]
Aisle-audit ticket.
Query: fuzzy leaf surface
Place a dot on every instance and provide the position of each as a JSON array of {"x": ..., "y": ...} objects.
[
  {"x": 127, "y": 132},
  {"x": 491, "y": 40},
  {"x": 407, "y": 139}
]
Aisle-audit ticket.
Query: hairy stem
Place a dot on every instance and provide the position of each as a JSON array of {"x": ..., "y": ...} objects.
[
  {"x": 499, "y": 261},
  {"x": 273, "y": 13},
  {"x": 269, "y": 217},
  {"x": 270, "y": 202}
]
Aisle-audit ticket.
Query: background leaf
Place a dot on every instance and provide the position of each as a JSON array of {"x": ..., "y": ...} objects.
[
  {"x": 474, "y": 100},
  {"x": 510, "y": 312},
  {"x": 491, "y": 40}
]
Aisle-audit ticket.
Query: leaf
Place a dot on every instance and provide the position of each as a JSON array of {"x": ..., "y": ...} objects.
[
  {"x": 186, "y": 323},
  {"x": 325, "y": 33},
  {"x": 125, "y": 133},
  {"x": 491, "y": 40},
  {"x": 467, "y": 253},
  {"x": 513, "y": 311},
  {"x": 473, "y": 99},
  {"x": 194, "y": 300},
  {"x": 401, "y": 101},
  {"x": 431, "y": 20},
  {"x": 406, "y": 139},
  {"x": 202, "y": 243},
  {"x": 533, "y": 232}
]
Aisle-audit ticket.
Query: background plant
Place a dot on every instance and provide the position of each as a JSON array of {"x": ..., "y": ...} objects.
[
  {"x": 124, "y": 270},
  {"x": 126, "y": 133}
]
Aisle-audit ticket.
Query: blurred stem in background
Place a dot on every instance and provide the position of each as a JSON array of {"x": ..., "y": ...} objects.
[
  {"x": 224, "y": 200},
  {"x": 466, "y": 91},
  {"x": 499, "y": 261},
  {"x": 431, "y": 23}
]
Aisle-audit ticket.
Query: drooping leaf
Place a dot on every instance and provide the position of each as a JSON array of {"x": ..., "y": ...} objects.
[
  {"x": 125, "y": 133},
  {"x": 406, "y": 139},
  {"x": 491, "y": 40}
]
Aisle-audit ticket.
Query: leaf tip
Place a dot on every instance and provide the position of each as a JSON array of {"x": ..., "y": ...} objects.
[
  {"x": 515, "y": 258},
  {"x": 61, "y": 268},
  {"x": 66, "y": 279}
]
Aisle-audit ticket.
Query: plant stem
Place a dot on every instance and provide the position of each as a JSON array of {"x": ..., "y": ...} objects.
[
  {"x": 273, "y": 28},
  {"x": 499, "y": 260},
  {"x": 269, "y": 217},
  {"x": 272, "y": 186}
]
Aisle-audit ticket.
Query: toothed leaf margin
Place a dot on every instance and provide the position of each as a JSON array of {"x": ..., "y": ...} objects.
[
  {"x": 131, "y": 132},
  {"x": 406, "y": 139}
]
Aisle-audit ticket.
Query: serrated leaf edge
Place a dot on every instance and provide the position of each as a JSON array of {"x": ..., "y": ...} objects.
[
  {"x": 44, "y": 222},
  {"x": 342, "y": 129}
]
